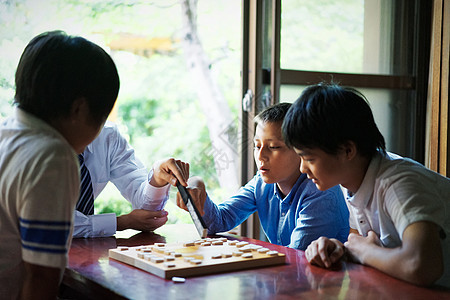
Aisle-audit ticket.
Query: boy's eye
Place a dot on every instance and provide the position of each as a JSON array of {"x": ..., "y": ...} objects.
[{"x": 258, "y": 147}]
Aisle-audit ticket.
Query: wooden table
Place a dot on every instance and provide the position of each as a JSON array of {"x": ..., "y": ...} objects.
[{"x": 91, "y": 274}]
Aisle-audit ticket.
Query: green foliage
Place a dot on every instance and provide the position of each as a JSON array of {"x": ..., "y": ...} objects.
[
  {"x": 111, "y": 202},
  {"x": 322, "y": 35},
  {"x": 157, "y": 107},
  {"x": 138, "y": 114}
]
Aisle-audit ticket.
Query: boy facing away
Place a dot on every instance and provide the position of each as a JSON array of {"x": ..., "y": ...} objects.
[
  {"x": 400, "y": 209},
  {"x": 65, "y": 89},
  {"x": 292, "y": 211}
]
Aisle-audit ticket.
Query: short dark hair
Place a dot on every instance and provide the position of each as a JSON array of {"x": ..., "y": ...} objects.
[
  {"x": 55, "y": 69},
  {"x": 326, "y": 116},
  {"x": 273, "y": 114}
]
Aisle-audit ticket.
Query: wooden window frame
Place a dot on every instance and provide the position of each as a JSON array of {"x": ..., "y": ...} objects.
[{"x": 261, "y": 73}]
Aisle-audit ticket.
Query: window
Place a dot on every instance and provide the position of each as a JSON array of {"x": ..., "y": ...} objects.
[
  {"x": 380, "y": 47},
  {"x": 371, "y": 45},
  {"x": 176, "y": 98}
]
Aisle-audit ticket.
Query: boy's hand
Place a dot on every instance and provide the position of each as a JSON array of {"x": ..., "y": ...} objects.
[
  {"x": 357, "y": 245},
  {"x": 141, "y": 219},
  {"x": 324, "y": 252},
  {"x": 169, "y": 171},
  {"x": 197, "y": 190}
]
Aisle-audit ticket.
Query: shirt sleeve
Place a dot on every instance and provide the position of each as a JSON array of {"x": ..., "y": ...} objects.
[
  {"x": 102, "y": 225},
  {"x": 231, "y": 213},
  {"x": 410, "y": 199},
  {"x": 154, "y": 198},
  {"x": 45, "y": 228}
]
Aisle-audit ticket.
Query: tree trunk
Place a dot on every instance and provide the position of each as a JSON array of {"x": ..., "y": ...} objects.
[{"x": 220, "y": 121}]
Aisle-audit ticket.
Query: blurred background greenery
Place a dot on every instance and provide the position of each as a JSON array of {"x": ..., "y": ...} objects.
[{"x": 159, "y": 108}]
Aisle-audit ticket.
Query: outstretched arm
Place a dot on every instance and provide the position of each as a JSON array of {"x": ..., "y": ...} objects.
[
  {"x": 418, "y": 260},
  {"x": 226, "y": 215}
]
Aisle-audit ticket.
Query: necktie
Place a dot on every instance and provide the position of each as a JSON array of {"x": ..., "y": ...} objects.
[{"x": 86, "y": 201}]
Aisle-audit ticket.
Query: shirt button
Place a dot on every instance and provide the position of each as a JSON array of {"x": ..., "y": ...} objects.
[
  {"x": 283, "y": 214},
  {"x": 362, "y": 222}
]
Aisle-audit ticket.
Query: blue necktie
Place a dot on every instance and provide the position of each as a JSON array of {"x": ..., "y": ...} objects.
[{"x": 86, "y": 201}]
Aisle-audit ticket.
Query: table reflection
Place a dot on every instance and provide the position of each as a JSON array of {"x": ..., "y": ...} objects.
[{"x": 93, "y": 274}]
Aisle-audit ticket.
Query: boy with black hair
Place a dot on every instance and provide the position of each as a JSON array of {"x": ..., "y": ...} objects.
[
  {"x": 292, "y": 211},
  {"x": 65, "y": 89},
  {"x": 400, "y": 209}
]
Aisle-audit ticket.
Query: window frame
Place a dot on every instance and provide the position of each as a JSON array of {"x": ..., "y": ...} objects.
[{"x": 262, "y": 75}]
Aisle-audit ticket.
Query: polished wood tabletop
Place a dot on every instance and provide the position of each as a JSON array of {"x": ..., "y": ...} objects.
[{"x": 93, "y": 275}]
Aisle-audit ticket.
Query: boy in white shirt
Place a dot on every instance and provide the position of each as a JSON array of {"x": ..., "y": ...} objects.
[
  {"x": 65, "y": 89},
  {"x": 400, "y": 209}
]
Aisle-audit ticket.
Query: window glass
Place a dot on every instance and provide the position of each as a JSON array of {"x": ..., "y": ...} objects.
[
  {"x": 323, "y": 35},
  {"x": 390, "y": 109},
  {"x": 176, "y": 99},
  {"x": 347, "y": 36}
]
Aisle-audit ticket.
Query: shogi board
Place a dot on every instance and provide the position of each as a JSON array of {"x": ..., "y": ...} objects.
[{"x": 201, "y": 257}]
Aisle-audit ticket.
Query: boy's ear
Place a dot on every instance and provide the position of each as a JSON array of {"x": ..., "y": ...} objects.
[
  {"x": 350, "y": 149},
  {"x": 79, "y": 109}
]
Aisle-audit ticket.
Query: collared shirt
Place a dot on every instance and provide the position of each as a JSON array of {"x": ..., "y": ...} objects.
[
  {"x": 110, "y": 158},
  {"x": 39, "y": 183},
  {"x": 397, "y": 192},
  {"x": 295, "y": 221}
]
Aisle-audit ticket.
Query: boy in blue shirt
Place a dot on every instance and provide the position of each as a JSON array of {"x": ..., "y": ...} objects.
[
  {"x": 400, "y": 210},
  {"x": 292, "y": 211}
]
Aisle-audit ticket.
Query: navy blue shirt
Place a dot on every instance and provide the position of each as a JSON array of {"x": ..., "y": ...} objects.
[{"x": 296, "y": 220}]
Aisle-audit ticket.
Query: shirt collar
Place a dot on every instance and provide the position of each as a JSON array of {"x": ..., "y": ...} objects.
[
  {"x": 88, "y": 148},
  {"x": 99, "y": 139},
  {"x": 35, "y": 122},
  {"x": 289, "y": 196},
  {"x": 362, "y": 197}
]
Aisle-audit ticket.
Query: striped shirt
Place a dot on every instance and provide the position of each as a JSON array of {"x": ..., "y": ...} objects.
[{"x": 39, "y": 185}]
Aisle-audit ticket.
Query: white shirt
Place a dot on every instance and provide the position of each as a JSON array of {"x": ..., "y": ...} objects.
[
  {"x": 397, "y": 192},
  {"x": 110, "y": 158},
  {"x": 39, "y": 184}
]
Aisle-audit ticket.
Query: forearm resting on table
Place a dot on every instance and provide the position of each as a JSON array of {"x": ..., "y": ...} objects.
[{"x": 419, "y": 260}]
